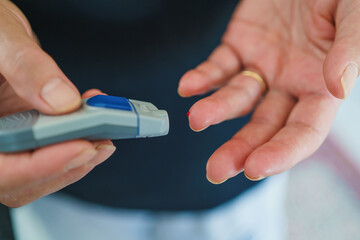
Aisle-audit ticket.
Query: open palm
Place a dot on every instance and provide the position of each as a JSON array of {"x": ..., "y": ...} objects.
[{"x": 295, "y": 46}]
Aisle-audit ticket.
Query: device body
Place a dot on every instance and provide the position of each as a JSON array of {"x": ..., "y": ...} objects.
[{"x": 99, "y": 117}]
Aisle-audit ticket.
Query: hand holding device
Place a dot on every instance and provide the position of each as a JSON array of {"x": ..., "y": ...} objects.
[
  {"x": 98, "y": 118},
  {"x": 30, "y": 79}
]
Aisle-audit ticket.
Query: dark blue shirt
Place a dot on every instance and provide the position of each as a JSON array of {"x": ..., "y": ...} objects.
[{"x": 140, "y": 49}]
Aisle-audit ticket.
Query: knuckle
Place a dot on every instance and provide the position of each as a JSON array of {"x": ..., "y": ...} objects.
[
  {"x": 22, "y": 66},
  {"x": 21, "y": 57}
]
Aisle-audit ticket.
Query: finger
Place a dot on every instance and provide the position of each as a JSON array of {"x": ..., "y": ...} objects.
[
  {"x": 10, "y": 102},
  {"x": 270, "y": 115},
  {"x": 2, "y": 79},
  {"x": 92, "y": 92},
  {"x": 13, "y": 12},
  {"x": 35, "y": 191},
  {"x": 341, "y": 67},
  {"x": 105, "y": 149},
  {"x": 23, "y": 168},
  {"x": 30, "y": 194},
  {"x": 222, "y": 64},
  {"x": 236, "y": 98},
  {"x": 32, "y": 73},
  {"x": 306, "y": 129}
]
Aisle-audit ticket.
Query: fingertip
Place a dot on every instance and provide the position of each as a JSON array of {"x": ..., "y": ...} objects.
[
  {"x": 198, "y": 123},
  {"x": 337, "y": 92},
  {"x": 348, "y": 78},
  {"x": 181, "y": 93},
  {"x": 105, "y": 145},
  {"x": 59, "y": 96},
  {"x": 192, "y": 83},
  {"x": 334, "y": 86},
  {"x": 340, "y": 69},
  {"x": 81, "y": 159},
  {"x": 92, "y": 92},
  {"x": 214, "y": 181},
  {"x": 258, "y": 178},
  {"x": 102, "y": 142},
  {"x": 201, "y": 115},
  {"x": 256, "y": 165},
  {"x": 197, "y": 130},
  {"x": 342, "y": 87},
  {"x": 183, "y": 84},
  {"x": 268, "y": 160},
  {"x": 332, "y": 80},
  {"x": 227, "y": 161},
  {"x": 252, "y": 171},
  {"x": 106, "y": 149}
]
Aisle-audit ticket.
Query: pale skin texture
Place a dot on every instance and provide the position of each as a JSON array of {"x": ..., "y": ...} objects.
[
  {"x": 286, "y": 41},
  {"x": 302, "y": 49}
]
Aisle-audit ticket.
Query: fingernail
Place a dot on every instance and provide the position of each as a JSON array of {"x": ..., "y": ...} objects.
[
  {"x": 84, "y": 157},
  {"x": 180, "y": 88},
  {"x": 188, "y": 114},
  {"x": 107, "y": 147},
  {"x": 348, "y": 78},
  {"x": 214, "y": 182},
  {"x": 254, "y": 179},
  {"x": 106, "y": 150},
  {"x": 199, "y": 130},
  {"x": 60, "y": 96}
]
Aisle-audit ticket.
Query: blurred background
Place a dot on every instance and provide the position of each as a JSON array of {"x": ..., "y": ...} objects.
[{"x": 324, "y": 190}]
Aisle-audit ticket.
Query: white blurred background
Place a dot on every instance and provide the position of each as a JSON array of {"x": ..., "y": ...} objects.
[{"x": 324, "y": 190}]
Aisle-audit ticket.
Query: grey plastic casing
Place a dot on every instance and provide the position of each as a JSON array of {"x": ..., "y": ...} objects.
[{"x": 31, "y": 129}]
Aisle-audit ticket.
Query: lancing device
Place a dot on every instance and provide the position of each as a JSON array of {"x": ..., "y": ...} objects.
[{"x": 99, "y": 117}]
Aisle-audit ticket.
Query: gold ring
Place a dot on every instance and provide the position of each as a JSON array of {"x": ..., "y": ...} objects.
[{"x": 257, "y": 77}]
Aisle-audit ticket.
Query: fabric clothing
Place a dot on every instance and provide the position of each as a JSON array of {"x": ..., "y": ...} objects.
[
  {"x": 258, "y": 214},
  {"x": 140, "y": 49}
]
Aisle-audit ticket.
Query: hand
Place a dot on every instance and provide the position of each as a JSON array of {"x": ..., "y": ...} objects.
[
  {"x": 31, "y": 79},
  {"x": 308, "y": 53}
]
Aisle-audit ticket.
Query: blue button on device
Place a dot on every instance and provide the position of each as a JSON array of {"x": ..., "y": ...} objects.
[{"x": 109, "y": 102}]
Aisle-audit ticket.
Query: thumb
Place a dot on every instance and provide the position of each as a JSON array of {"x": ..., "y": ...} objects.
[
  {"x": 341, "y": 66},
  {"x": 33, "y": 74}
]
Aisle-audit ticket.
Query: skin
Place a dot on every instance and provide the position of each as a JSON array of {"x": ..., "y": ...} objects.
[
  {"x": 293, "y": 45},
  {"x": 307, "y": 51},
  {"x": 25, "y": 69}
]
